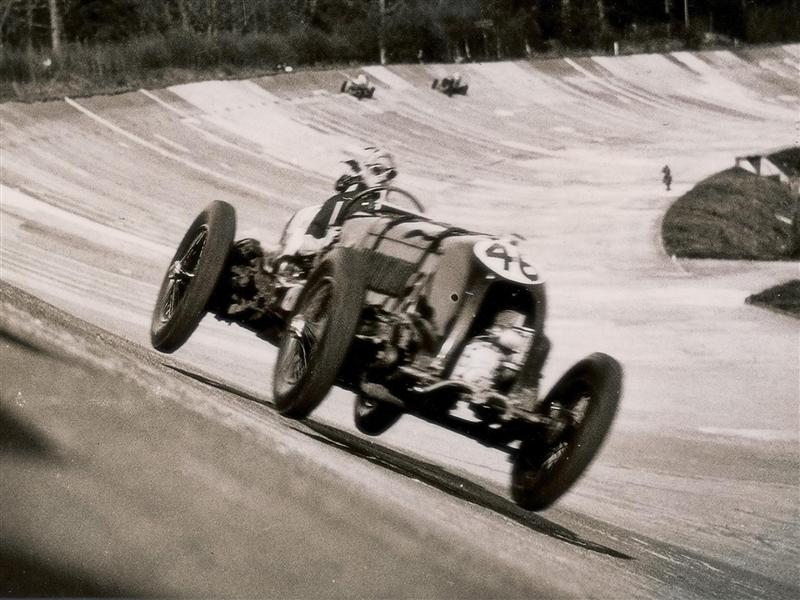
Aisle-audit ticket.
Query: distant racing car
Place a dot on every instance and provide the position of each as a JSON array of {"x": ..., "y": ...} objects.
[
  {"x": 413, "y": 316},
  {"x": 358, "y": 87},
  {"x": 451, "y": 85}
]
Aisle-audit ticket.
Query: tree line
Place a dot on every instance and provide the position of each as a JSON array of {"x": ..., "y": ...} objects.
[
  {"x": 397, "y": 30},
  {"x": 89, "y": 46}
]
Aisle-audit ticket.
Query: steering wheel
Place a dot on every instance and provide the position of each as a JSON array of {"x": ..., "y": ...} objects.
[{"x": 388, "y": 197}]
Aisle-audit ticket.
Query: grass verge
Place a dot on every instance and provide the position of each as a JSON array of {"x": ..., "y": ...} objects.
[
  {"x": 159, "y": 60},
  {"x": 734, "y": 214},
  {"x": 174, "y": 56}
]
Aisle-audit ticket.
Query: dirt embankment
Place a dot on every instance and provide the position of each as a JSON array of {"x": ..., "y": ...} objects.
[{"x": 734, "y": 214}]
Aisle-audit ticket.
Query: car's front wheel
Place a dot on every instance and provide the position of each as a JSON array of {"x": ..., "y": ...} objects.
[
  {"x": 581, "y": 406},
  {"x": 192, "y": 276},
  {"x": 319, "y": 334}
]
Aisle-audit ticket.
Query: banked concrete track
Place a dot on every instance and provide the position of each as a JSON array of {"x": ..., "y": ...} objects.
[{"x": 696, "y": 491}]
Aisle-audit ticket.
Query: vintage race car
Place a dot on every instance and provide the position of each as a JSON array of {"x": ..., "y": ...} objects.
[
  {"x": 411, "y": 315},
  {"x": 359, "y": 90},
  {"x": 450, "y": 86}
]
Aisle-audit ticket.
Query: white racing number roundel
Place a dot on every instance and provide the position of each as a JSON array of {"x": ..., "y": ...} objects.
[{"x": 505, "y": 260}]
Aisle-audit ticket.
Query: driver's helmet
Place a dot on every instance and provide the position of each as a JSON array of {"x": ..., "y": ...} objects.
[
  {"x": 361, "y": 80},
  {"x": 378, "y": 167}
]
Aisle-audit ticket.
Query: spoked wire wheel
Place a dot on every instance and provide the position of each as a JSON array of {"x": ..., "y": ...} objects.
[
  {"x": 319, "y": 333},
  {"x": 191, "y": 277},
  {"x": 180, "y": 274},
  {"x": 303, "y": 337},
  {"x": 581, "y": 407}
]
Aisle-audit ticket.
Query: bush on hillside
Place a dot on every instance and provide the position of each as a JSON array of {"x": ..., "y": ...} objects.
[
  {"x": 735, "y": 215},
  {"x": 784, "y": 298},
  {"x": 150, "y": 53}
]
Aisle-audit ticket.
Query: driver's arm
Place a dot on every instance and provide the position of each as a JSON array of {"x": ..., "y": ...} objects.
[
  {"x": 324, "y": 216},
  {"x": 312, "y": 245},
  {"x": 337, "y": 208},
  {"x": 349, "y": 206}
]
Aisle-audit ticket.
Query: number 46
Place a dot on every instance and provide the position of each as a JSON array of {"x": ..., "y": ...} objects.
[{"x": 510, "y": 260}]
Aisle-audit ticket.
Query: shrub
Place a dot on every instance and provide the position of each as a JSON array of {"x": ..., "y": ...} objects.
[
  {"x": 229, "y": 49},
  {"x": 276, "y": 48},
  {"x": 733, "y": 214},
  {"x": 777, "y": 23},
  {"x": 15, "y": 65},
  {"x": 150, "y": 53},
  {"x": 362, "y": 37},
  {"x": 693, "y": 36},
  {"x": 784, "y": 298},
  {"x": 310, "y": 44},
  {"x": 187, "y": 49},
  {"x": 262, "y": 50}
]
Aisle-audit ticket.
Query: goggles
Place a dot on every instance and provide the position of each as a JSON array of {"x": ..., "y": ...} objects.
[{"x": 379, "y": 171}]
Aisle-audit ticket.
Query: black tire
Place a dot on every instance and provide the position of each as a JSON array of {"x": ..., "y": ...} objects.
[
  {"x": 344, "y": 87},
  {"x": 318, "y": 336},
  {"x": 435, "y": 84},
  {"x": 373, "y": 417},
  {"x": 546, "y": 468},
  {"x": 192, "y": 276}
]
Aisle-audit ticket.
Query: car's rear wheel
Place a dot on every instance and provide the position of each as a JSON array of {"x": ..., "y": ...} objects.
[
  {"x": 582, "y": 404},
  {"x": 319, "y": 334},
  {"x": 373, "y": 417},
  {"x": 192, "y": 276}
]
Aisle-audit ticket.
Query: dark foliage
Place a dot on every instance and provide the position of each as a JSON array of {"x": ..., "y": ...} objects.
[
  {"x": 410, "y": 24},
  {"x": 734, "y": 215},
  {"x": 134, "y": 40},
  {"x": 101, "y": 20},
  {"x": 783, "y": 298}
]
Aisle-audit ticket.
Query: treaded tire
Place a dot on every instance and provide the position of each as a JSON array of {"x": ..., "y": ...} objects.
[
  {"x": 373, "y": 417},
  {"x": 319, "y": 333},
  {"x": 192, "y": 276},
  {"x": 544, "y": 470}
]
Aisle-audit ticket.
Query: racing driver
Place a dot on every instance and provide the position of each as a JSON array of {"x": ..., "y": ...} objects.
[{"x": 377, "y": 168}]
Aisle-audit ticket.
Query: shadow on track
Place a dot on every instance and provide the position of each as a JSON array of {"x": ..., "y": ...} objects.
[
  {"x": 429, "y": 473},
  {"x": 24, "y": 573},
  {"x": 10, "y": 339},
  {"x": 19, "y": 437}
]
